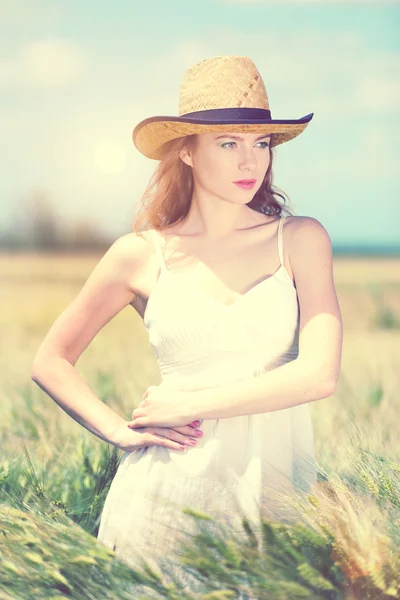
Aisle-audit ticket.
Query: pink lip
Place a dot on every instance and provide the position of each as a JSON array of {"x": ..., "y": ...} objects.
[{"x": 246, "y": 184}]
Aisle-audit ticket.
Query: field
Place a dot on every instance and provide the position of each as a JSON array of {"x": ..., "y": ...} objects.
[{"x": 53, "y": 468}]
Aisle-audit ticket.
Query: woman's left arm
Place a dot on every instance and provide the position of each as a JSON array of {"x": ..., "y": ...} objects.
[{"x": 314, "y": 374}]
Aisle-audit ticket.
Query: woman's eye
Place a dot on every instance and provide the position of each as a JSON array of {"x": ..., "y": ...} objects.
[{"x": 266, "y": 144}]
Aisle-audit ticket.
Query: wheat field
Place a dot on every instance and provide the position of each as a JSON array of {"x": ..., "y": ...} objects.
[{"x": 356, "y": 430}]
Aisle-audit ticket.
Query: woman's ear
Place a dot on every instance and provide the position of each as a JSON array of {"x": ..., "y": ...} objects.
[{"x": 186, "y": 156}]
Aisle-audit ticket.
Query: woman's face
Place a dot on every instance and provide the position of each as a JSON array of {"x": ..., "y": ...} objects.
[{"x": 219, "y": 159}]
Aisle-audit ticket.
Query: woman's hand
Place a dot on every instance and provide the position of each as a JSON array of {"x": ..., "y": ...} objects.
[
  {"x": 177, "y": 438},
  {"x": 164, "y": 407}
]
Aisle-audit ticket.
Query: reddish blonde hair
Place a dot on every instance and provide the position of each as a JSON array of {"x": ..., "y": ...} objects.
[{"x": 167, "y": 198}]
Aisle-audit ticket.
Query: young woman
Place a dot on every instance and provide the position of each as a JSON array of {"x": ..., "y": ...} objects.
[{"x": 238, "y": 298}]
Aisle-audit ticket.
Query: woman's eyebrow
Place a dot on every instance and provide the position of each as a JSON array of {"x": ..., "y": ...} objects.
[{"x": 237, "y": 137}]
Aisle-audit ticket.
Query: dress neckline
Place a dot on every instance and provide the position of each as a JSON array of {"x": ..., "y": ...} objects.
[{"x": 166, "y": 274}]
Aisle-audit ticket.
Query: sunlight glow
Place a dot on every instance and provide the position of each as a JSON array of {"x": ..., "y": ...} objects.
[{"x": 109, "y": 157}]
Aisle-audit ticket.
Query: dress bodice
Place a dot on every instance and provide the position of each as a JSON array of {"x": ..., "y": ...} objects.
[{"x": 195, "y": 337}]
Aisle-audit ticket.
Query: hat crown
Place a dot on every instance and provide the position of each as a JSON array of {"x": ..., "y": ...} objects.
[{"x": 222, "y": 82}]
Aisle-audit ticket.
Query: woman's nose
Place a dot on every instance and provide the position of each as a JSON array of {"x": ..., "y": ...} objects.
[{"x": 248, "y": 160}]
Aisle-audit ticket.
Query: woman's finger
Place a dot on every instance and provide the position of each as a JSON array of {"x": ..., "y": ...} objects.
[
  {"x": 174, "y": 435},
  {"x": 186, "y": 430},
  {"x": 153, "y": 439}
]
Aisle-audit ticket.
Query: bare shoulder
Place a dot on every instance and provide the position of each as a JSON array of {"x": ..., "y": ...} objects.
[
  {"x": 305, "y": 232},
  {"x": 309, "y": 250},
  {"x": 303, "y": 223},
  {"x": 130, "y": 249}
]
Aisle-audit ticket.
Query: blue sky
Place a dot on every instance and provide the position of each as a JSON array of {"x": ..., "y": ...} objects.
[{"x": 76, "y": 77}]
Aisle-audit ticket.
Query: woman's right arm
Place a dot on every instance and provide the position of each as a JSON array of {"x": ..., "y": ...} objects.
[{"x": 105, "y": 293}]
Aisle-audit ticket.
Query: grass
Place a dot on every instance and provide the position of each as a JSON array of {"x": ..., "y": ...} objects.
[{"x": 342, "y": 540}]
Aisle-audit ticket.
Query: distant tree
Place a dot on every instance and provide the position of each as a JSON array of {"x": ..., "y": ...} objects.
[
  {"x": 37, "y": 226},
  {"x": 84, "y": 235},
  {"x": 41, "y": 221}
]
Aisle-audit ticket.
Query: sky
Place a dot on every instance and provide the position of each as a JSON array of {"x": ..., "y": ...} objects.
[{"x": 76, "y": 77}]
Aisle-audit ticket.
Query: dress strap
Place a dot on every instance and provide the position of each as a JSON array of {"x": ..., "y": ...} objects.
[
  {"x": 280, "y": 239},
  {"x": 156, "y": 243}
]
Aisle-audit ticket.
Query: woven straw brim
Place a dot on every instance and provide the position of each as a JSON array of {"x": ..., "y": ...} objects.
[{"x": 150, "y": 139}]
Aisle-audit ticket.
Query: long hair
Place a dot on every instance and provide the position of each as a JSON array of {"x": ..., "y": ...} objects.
[{"x": 167, "y": 198}]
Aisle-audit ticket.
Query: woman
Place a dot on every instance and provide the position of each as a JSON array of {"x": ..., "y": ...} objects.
[{"x": 238, "y": 298}]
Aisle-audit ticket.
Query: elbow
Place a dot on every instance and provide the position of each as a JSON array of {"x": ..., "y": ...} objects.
[
  {"x": 324, "y": 384},
  {"x": 38, "y": 364},
  {"x": 332, "y": 379},
  {"x": 38, "y": 367},
  {"x": 327, "y": 385},
  {"x": 321, "y": 376},
  {"x": 35, "y": 371},
  {"x": 44, "y": 365},
  {"x": 330, "y": 387}
]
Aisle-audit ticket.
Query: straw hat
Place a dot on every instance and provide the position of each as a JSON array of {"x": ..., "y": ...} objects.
[{"x": 223, "y": 93}]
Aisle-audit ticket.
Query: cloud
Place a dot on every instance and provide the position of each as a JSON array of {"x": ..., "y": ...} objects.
[
  {"x": 377, "y": 93},
  {"x": 372, "y": 156},
  {"x": 44, "y": 64},
  {"x": 29, "y": 13},
  {"x": 9, "y": 120}
]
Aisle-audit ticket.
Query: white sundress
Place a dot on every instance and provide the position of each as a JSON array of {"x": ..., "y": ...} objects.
[{"x": 233, "y": 470}]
